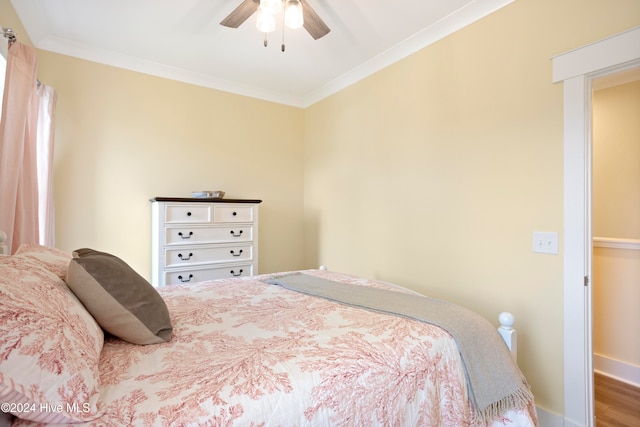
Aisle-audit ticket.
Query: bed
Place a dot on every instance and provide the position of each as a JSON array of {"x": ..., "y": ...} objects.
[{"x": 249, "y": 351}]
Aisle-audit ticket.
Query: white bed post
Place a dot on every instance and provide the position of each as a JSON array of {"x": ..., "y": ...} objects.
[
  {"x": 509, "y": 335},
  {"x": 4, "y": 249},
  {"x": 506, "y": 330}
]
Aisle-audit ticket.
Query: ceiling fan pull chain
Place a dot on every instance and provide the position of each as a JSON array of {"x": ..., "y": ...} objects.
[
  {"x": 265, "y": 39},
  {"x": 282, "y": 47}
]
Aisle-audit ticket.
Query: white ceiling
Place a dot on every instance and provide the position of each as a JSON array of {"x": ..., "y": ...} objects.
[{"x": 183, "y": 40}]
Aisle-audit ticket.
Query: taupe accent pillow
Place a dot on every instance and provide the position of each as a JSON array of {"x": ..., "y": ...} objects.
[{"x": 120, "y": 300}]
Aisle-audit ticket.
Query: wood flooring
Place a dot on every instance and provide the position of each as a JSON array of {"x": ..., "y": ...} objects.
[{"x": 616, "y": 403}]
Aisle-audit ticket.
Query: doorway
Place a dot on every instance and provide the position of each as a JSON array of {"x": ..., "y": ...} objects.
[
  {"x": 576, "y": 70},
  {"x": 616, "y": 246}
]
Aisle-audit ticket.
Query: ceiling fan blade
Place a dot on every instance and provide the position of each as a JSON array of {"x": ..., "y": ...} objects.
[
  {"x": 240, "y": 13},
  {"x": 312, "y": 22}
]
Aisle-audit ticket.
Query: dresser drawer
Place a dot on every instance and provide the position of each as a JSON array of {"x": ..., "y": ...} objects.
[
  {"x": 208, "y": 255},
  {"x": 213, "y": 273},
  {"x": 188, "y": 214},
  {"x": 232, "y": 213},
  {"x": 197, "y": 235}
]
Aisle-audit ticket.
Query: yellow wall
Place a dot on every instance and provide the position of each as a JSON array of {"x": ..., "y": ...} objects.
[
  {"x": 616, "y": 161},
  {"x": 434, "y": 172},
  {"x": 616, "y": 213},
  {"x": 124, "y": 137},
  {"x": 616, "y": 293}
]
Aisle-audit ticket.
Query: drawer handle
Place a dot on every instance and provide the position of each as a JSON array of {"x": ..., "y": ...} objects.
[
  {"x": 236, "y": 254},
  {"x": 189, "y": 213},
  {"x": 185, "y": 237},
  {"x": 185, "y": 258},
  {"x": 238, "y": 234},
  {"x": 185, "y": 280},
  {"x": 234, "y": 213},
  {"x": 238, "y": 274}
]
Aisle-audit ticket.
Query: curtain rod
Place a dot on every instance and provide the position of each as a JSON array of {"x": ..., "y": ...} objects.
[
  {"x": 8, "y": 34},
  {"x": 11, "y": 37}
]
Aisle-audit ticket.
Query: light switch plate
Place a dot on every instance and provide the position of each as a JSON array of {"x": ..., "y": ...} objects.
[{"x": 545, "y": 242}]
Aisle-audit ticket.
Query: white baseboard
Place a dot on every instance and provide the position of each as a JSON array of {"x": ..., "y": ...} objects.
[
  {"x": 549, "y": 419},
  {"x": 616, "y": 369}
]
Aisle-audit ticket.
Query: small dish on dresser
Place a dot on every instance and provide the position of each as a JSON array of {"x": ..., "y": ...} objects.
[{"x": 218, "y": 194}]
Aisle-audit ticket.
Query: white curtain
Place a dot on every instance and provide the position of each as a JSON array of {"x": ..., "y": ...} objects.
[
  {"x": 26, "y": 147},
  {"x": 46, "y": 115}
]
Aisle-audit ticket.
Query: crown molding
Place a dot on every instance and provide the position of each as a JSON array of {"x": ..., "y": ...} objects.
[
  {"x": 453, "y": 22},
  {"x": 446, "y": 26},
  {"x": 131, "y": 63}
]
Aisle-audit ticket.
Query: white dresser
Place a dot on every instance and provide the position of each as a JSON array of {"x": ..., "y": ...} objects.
[{"x": 203, "y": 239}]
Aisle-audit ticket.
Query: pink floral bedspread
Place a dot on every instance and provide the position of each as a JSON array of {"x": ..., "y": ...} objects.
[{"x": 245, "y": 353}]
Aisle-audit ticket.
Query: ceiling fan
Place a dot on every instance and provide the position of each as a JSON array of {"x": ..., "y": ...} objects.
[{"x": 312, "y": 22}]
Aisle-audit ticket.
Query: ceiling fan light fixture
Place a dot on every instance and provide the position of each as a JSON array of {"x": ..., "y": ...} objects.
[
  {"x": 266, "y": 22},
  {"x": 295, "y": 14},
  {"x": 293, "y": 17},
  {"x": 271, "y": 6}
]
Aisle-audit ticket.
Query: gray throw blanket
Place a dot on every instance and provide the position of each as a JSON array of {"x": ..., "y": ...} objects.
[{"x": 495, "y": 381}]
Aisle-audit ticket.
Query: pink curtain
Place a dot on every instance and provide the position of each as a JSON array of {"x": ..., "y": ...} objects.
[{"x": 19, "y": 189}]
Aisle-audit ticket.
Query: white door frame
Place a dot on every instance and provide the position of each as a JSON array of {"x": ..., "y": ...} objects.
[{"x": 576, "y": 69}]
